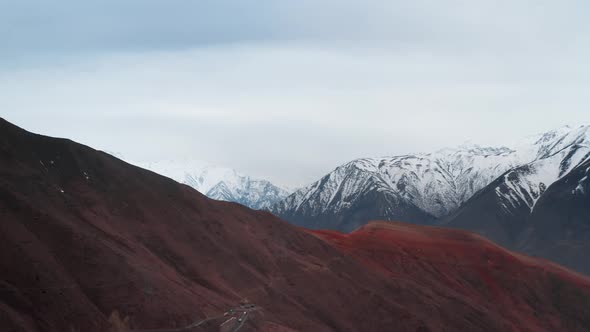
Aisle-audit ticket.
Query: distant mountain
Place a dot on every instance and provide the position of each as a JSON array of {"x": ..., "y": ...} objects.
[
  {"x": 421, "y": 188},
  {"x": 90, "y": 243},
  {"x": 219, "y": 183},
  {"x": 417, "y": 188}
]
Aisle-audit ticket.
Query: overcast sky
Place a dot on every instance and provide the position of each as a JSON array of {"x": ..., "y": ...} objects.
[{"x": 287, "y": 90}]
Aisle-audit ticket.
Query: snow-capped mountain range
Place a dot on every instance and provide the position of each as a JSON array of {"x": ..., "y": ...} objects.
[
  {"x": 554, "y": 155},
  {"x": 423, "y": 187},
  {"x": 219, "y": 183}
]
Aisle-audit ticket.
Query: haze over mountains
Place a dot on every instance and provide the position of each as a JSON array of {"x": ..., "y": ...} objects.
[
  {"x": 219, "y": 183},
  {"x": 85, "y": 235},
  {"x": 418, "y": 188}
]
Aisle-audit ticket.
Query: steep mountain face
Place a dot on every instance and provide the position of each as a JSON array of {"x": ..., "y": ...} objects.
[
  {"x": 425, "y": 187},
  {"x": 559, "y": 225},
  {"x": 416, "y": 188},
  {"x": 556, "y": 153},
  {"x": 515, "y": 208},
  {"x": 520, "y": 211},
  {"x": 85, "y": 236},
  {"x": 345, "y": 198},
  {"x": 224, "y": 184}
]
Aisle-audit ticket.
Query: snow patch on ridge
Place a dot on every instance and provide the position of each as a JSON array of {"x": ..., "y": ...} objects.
[{"x": 580, "y": 187}]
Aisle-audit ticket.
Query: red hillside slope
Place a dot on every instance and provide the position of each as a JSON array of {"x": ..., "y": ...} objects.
[
  {"x": 471, "y": 270},
  {"x": 83, "y": 234}
]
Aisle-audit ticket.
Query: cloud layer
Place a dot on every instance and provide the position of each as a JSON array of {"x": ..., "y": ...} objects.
[{"x": 287, "y": 90}]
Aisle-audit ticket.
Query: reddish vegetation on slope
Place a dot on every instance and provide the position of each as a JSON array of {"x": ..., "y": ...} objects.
[
  {"x": 83, "y": 234},
  {"x": 472, "y": 270}
]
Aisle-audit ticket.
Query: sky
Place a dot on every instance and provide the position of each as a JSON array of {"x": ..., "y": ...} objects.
[{"x": 288, "y": 90}]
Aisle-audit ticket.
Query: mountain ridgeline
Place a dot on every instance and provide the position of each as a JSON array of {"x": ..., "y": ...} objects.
[
  {"x": 415, "y": 188},
  {"x": 91, "y": 243},
  {"x": 492, "y": 191}
]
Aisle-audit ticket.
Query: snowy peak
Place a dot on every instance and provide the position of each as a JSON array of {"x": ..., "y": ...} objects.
[
  {"x": 556, "y": 153},
  {"x": 437, "y": 183},
  {"x": 471, "y": 149},
  {"x": 434, "y": 183},
  {"x": 219, "y": 183},
  {"x": 546, "y": 144},
  {"x": 195, "y": 173}
]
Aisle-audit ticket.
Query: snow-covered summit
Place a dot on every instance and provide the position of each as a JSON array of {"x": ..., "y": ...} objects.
[
  {"x": 219, "y": 183},
  {"x": 437, "y": 183},
  {"x": 552, "y": 155}
]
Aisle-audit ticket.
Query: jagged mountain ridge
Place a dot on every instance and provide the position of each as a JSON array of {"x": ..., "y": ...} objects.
[
  {"x": 219, "y": 183},
  {"x": 556, "y": 154},
  {"x": 425, "y": 187},
  {"x": 540, "y": 208}
]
